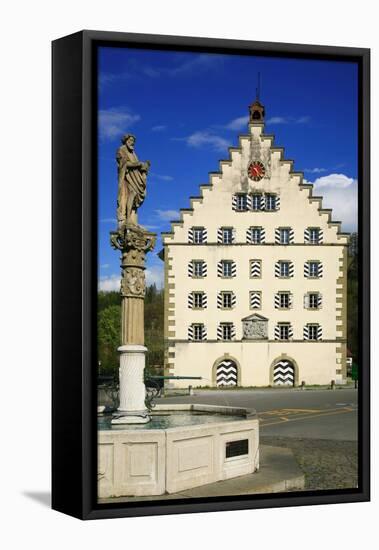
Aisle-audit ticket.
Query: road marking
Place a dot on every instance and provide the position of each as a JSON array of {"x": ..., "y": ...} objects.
[{"x": 326, "y": 413}]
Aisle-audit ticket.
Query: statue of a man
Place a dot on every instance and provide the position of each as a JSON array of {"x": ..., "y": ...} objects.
[{"x": 131, "y": 181}]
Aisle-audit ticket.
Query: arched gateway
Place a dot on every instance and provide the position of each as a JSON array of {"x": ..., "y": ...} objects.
[
  {"x": 226, "y": 373},
  {"x": 284, "y": 373}
]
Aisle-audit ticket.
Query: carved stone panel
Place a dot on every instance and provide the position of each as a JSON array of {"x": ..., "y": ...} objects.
[{"x": 255, "y": 329}]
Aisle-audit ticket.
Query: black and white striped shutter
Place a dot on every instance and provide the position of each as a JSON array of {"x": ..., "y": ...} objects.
[
  {"x": 190, "y": 300},
  {"x": 290, "y": 331},
  {"x": 248, "y": 202},
  {"x": 319, "y": 301},
  {"x": 204, "y": 333},
  {"x": 290, "y": 300},
  {"x": 219, "y": 269},
  {"x": 234, "y": 202},
  {"x": 190, "y": 235},
  {"x": 248, "y": 235},
  {"x": 277, "y": 269},
  {"x": 190, "y": 269},
  {"x": 319, "y": 332},
  {"x": 263, "y": 202},
  {"x": 233, "y": 235},
  {"x": 255, "y": 268},
  {"x": 277, "y": 332},
  {"x": 291, "y": 235},
  {"x": 234, "y": 269},
  {"x": 219, "y": 300},
  {"x": 234, "y": 299},
  {"x": 204, "y": 269},
  {"x": 277, "y": 202},
  {"x": 320, "y": 269},
  {"x": 320, "y": 236},
  {"x": 306, "y": 235},
  {"x": 255, "y": 300},
  {"x": 190, "y": 332},
  {"x": 306, "y": 270},
  {"x": 233, "y": 332},
  {"x": 219, "y": 235},
  {"x": 277, "y": 236},
  {"x": 277, "y": 300},
  {"x": 205, "y": 235},
  {"x": 291, "y": 269},
  {"x": 219, "y": 332},
  {"x": 263, "y": 235},
  {"x": 204, "y": 300}
]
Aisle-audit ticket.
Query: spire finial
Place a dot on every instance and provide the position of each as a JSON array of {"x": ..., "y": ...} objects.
[{"x": 256, "y": 109}]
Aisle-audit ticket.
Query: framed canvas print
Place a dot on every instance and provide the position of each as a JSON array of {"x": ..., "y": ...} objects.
[{"x": 210, "y": 274}]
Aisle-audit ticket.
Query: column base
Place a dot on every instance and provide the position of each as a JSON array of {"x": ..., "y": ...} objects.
[{"x": 130, "y": 418}]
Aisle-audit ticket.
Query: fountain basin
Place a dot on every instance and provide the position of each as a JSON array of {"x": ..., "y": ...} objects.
[{"x": 184, "y": 446}]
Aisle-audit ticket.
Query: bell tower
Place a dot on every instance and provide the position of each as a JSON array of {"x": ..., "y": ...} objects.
[{"x": 256, "y": 109}]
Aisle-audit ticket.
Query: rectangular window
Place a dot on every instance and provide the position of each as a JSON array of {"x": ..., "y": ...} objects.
[
  {"x": 313, "y": 300},
  {"x": 227, "y": 235},
  {"x": 284, "y": 300},
  {"x": 255, "y": 299},
  {"x": 256, "y": 202},
  {"x": 226, "y": 300},
  {"x": 226, "y": 331},
  {"x": 284, "y": 269},
  {"x": 312, "y": 332},
  {"x": 198, "y": 299},
  {"x": 198, "y": 331},
  {"x": 255, "y": 268},
  {"x": 227, "y": 268},
  {"x": 284, "y": 331},
  {"x": 314, "y": 235},
  {"x": 198, "y": 235},
  {"x": 241, "y": 202},
  {"x": 198, "y": 268},
  {"x": 270, "y": 202},
  {"x": 284, "y": 235},
  {"x": 255, "y": 235},
  {"x": 313, "y": 269}
]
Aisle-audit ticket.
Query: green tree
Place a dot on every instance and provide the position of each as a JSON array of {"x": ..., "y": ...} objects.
[{"x": 108, "y": 338}]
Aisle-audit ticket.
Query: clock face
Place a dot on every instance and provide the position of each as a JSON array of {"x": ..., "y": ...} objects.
[{"x": 256, "y": 170}]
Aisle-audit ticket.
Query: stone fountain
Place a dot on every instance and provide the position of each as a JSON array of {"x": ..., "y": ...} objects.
[{"x": 177, "y": 446}]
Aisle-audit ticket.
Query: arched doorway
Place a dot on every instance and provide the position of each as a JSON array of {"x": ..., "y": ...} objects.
[
  {"x": 226, "y": 373},
  {"x": 284, "y": 373}
]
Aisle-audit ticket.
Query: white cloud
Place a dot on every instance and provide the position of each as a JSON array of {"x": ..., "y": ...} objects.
[
  {"x": 205, "y": 138},
  {"x": 202, "y": 62},
  {"x": 340, "y": 193},
  {"x": 154, "y": 275},
  {"x": 314, "y": 170},
  {"x": 162, "y": 177},
  {"x": 104, "y": 266},
  {"x": 167, "y": 215},
  {"x": 237, "y": 123},
  {"x": 336, "y": 181},
  {"x": 114, "y": 122},
  {"x": 288, "y": 120},
  {"x": 109, "y": 283}
]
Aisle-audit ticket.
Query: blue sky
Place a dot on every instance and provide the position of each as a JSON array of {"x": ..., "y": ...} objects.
[{"x": 187, "y": 108}]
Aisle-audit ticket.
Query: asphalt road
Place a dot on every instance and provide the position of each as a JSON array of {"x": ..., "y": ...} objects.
[{"x": 314, "y": 414}]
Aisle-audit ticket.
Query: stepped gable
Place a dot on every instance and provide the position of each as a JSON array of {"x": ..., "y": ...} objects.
[{"x": 273, "y": 155}]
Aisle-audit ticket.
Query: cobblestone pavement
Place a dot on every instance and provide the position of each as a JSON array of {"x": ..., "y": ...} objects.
[{"x": 327, "y": 464}]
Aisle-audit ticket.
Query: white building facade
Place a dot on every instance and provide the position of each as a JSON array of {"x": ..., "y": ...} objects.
[{"x": 255, "y": 276}]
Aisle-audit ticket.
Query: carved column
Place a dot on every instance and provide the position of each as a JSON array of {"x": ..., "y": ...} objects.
[{"x": 133, "y": 241}]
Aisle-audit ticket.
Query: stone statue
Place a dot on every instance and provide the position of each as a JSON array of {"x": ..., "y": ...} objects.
[{"x": 132, "y": 176}]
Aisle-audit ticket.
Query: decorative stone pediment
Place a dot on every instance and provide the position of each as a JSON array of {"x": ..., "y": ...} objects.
[{"x": 254, "y": 327}]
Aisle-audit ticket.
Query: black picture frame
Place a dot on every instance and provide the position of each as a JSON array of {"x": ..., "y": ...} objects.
[{"x": 74, "y": 272}]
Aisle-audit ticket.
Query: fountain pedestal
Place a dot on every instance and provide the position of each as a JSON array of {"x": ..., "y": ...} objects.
[{"x": 133, "y": 241}]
